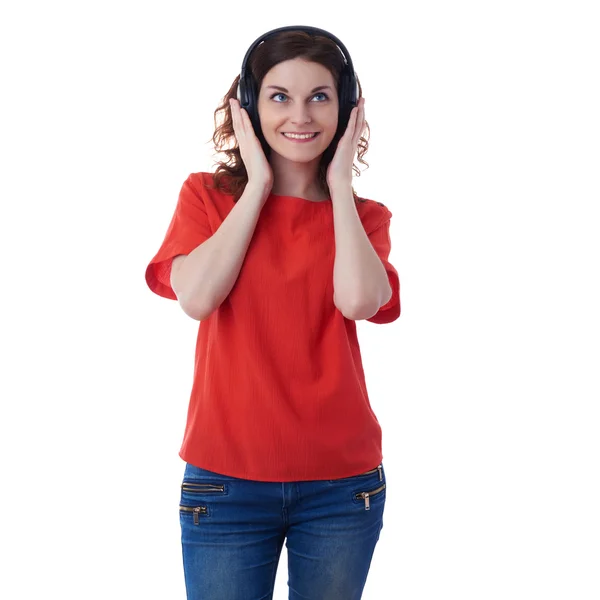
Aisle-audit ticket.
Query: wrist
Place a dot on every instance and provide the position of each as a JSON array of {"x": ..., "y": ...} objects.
[
  {"x": 261, "y": 189},
  {"x": 340, "y": 188}
]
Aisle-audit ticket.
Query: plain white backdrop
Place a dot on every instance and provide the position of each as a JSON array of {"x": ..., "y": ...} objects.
[{"x": 484, "y": 145}]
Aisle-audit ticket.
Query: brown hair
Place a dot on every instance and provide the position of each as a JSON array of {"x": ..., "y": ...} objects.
[{"x": 230, "y": 176}]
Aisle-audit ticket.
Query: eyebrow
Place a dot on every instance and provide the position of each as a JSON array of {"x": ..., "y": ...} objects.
[{"x": 321, "y": 87}]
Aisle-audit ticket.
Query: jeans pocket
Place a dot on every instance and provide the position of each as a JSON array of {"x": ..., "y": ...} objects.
[
  {"x": 366, "y": 475},
  {"x": 365, "y": 496},
  {"x": 200, "y": 487},
  {"x": 195, "y": 510},
  {"x": 198, "y": 480},
  {"x": 199, "y": 491}
]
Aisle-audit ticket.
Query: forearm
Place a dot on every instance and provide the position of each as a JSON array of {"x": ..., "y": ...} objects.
[
  {"x": 360, "y": 281},
  {"x": 210, "y": 271}
]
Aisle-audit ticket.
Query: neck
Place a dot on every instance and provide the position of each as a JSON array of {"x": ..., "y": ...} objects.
[{"x": 299, "y": 179}]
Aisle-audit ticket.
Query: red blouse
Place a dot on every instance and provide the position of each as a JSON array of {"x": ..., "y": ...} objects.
[{"x": 278, "y": 391}]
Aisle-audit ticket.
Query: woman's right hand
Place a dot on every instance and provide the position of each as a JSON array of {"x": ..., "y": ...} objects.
[{"x": 257, "y": 166}]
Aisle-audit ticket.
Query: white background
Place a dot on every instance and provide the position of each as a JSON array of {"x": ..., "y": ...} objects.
[{"x": 484, "y": 145}]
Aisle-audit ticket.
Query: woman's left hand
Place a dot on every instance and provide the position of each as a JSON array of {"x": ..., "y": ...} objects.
[{"x": 339, "y": 171}]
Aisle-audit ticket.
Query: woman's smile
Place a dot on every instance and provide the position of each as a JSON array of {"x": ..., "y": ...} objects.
[{"x": 300, "y": 138}]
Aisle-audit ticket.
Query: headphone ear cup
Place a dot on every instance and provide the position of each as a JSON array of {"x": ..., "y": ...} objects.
[
  {"x": 345, "y": 102},
  {"x": 249, "y": 101},
  {"x": 252, "y": 103},
  {"x": 355, "y": 87},
  {"x": 242, "y": 91},
  {"x": 350, "y": 88}
]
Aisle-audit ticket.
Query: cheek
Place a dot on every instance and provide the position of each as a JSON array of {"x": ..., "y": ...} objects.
[
  {"x": 263, "y": 116},
  {"x": 269, "y": 123},
  {"x": 333, "y": 122}
]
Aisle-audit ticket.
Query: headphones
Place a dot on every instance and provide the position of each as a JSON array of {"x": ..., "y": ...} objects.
[{"x": 247, "y": 91}]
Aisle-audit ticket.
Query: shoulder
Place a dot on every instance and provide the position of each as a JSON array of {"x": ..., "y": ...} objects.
[
  {"x": 372, "y": 213},
  {"x": 204, "y": 183},
  {"x": 199, "y": 180},
  {"x": 199, "y": 188}
]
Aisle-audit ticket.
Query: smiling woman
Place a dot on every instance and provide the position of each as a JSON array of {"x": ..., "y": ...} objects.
[
  {"x": 299, "y": 125},
  {"x": 297, "y": 77},
  {"x": 278, "y": 265}
]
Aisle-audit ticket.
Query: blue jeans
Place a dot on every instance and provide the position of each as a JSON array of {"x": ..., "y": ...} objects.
[{"x": 232, "y": 532}]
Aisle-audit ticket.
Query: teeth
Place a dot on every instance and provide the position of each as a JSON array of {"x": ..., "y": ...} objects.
[{"x": 300, "y": 137}]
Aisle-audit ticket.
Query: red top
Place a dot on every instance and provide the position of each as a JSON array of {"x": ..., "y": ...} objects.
[{"x": 279, "y": 390}]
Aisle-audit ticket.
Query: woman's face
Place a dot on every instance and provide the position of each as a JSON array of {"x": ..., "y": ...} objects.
[{"x": 298, "y": 109}]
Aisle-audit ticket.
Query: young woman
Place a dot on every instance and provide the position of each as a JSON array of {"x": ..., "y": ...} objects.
[{"x": 277, "y": 257}]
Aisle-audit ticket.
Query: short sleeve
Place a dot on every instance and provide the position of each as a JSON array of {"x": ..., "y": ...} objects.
[
  {"x": 381, "y": 241},
  {"x": 189, "y": 227}
]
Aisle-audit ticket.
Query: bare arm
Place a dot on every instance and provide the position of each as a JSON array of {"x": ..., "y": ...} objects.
[{"x": 203, "y": 278}]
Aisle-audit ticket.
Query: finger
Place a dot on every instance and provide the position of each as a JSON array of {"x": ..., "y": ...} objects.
[
  {"x": 349, "y": 133},
  {"x": 233, "y": 113},
  {"x": 352, "y": 123},
  {"x": 235, "y": 107},
  {"x": 246, "y": 120},
  {"x": 250, "y": 131},
  {"x": 243, "y": 119},
  {"x": 360, "y": 120}
]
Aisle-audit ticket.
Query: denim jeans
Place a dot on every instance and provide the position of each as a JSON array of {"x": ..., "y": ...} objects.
[{"x": 232, "y": 532}]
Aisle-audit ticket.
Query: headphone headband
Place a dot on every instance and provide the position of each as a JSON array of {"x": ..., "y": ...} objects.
[{"x": 305, "y": 28}]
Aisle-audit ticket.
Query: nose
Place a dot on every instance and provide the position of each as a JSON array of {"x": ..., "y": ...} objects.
[{"x": 301, "y": 115}]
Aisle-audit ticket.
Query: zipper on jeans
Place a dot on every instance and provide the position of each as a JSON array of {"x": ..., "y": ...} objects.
[
  {"x": 367, "y": 495},
  {"x": 373, "y": 471},
  {"x": 190, "y": 486},
  {"x": 197, "y": 510}
]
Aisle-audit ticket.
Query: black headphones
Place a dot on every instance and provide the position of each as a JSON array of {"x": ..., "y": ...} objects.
[{"x": 247, "y": 91}]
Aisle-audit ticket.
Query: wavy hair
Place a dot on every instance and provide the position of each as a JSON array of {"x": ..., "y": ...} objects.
[{"x": 231, "y": 176}]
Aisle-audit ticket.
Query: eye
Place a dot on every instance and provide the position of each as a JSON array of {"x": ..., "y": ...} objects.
[{"x": 282, "y": 94}]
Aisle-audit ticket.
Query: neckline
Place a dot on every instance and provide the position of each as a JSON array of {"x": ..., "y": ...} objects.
[{"x": 305, "y": 200}]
